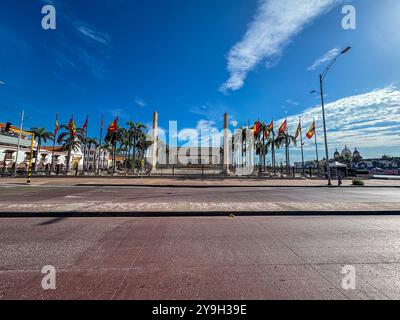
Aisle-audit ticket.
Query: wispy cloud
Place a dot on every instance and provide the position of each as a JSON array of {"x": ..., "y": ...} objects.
[
  {"x": 273, "y": 27},
  {"x": 2, "y": 83},
  {"x": 369, "y": 120},
  {"x": 100, "y": 37},
  {"x": 325, "y": 58},
  {"x": 140, "y": 102},
  {"x": 291, "y": 102},
  {"x": 117, "y": 112}
]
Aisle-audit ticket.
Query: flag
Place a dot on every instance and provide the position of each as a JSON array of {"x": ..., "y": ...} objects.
[
  {"x": 283, "y": 128},
  {"x": 56, "y": 127},
  {"x": 85, "y": 125},
  {"x": 72, "y": 126},
  {"x": 270, "y": 126},
  {"x": 298, "y": 131},
  {"x": 257, "y": 128},
  {"x": 311, "y": 132},
  {"x": 113, "y": 126}
]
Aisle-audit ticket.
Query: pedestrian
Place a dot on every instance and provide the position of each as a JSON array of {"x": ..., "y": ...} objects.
[{"x": 339, "y": 179}]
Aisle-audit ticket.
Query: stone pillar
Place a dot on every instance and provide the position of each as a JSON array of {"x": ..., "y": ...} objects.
[
  {"x": 226, "y": 146},
  {"x": 154, "y": 149}
]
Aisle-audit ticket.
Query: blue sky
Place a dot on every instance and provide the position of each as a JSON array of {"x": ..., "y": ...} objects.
[{"x": 194, "y": 60}]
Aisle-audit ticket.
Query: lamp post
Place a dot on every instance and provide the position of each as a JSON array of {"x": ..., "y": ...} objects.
[
  {"x": 19, "y": 133},
  {"x": 322, "y": 77},
  {"x": 19, "y": 141}
]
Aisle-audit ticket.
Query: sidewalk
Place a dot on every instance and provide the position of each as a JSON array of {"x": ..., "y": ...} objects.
[{"x": 186, "y": 182}]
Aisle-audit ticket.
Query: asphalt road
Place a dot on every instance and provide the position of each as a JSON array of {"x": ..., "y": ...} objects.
[
  {"x": 235, "y": 194},
  {"x": 201, "y": 258},
  {"x": 125, "y": 199}
]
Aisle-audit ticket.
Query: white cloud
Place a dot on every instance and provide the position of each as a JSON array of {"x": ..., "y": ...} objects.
[
  {"x": 140, "y": 102},
  {"x": 2, "y": 83},
  {"x": 234, "y": 123},
  {"x": 273, "y": 27},
  {"x": 325, "y": 58},
  {"x": 98, "y": 36},
  {"x": 118, "y": 112},
  {"x": 291, "y": 102},
  {"x": 370, "y": 120}
]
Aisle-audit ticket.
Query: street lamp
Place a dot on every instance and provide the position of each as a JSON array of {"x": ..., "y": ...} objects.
[
  {"x": 19, "y": 135},
  {"x": 322, "y": 77}
]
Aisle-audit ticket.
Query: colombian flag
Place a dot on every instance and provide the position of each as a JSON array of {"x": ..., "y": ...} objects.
[
  {"x": 298, "y": 131},
  {"x": 283, "y": 128},
  {"x": 56, "y": 127},
  {"x": 72, "y": 126},
  {"x": 85, "y": 125},
  {"x": 113, "y": 126},
  {"x": 270, "y": 126},
  {"x": 257, "y": 128},
  {"x": 311, "y": 132}
]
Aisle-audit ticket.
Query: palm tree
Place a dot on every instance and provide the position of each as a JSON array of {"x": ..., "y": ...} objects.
[
  {"x": 284, "y": 139},
  {"x": 70, "y": 142},
  {"x": 41, "y": 135},
  {"x": 143, "y": 143},
  {"x": 113, "y": 138},
  {"x": 137, "y": 132},
  {"x": 272, "y": 143}
]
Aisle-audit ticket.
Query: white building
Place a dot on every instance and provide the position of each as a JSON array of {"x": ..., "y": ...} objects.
[{"x": 9, "y": 156}]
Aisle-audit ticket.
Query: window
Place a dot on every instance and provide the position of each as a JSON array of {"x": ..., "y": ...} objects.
[{"x": 9, "y": 155}]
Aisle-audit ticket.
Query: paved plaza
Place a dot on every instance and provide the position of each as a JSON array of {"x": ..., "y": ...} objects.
[
  {"x": 201, "y": 257},
  {"x": 199, "y": 197},
  {"x": 198, "y": 239}
]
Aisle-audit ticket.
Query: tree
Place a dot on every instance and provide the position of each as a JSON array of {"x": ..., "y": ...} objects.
[
  {"x": 143, "y": 143},
  {"x": 114, "y": 138},
  {"x": 284, "y": 139},
  {"x": 41, "y": 135},
  {"x": 136, "y": 130},
  {"x": 70, "y": 142}
]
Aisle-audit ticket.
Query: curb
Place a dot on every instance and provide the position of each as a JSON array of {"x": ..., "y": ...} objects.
[{"x": 184, "y": 214}]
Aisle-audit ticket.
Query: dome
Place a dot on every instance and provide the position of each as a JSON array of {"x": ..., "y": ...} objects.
[
  {"x": 356, "y": 154},
  {"x": 346, "y": 153},
  {"x": 336, "y": 155}
]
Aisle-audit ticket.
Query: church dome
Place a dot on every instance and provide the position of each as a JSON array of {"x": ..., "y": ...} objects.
[
  {"x": 356, "y": 154},
  {"x": 336, "y": 155},
  {"x": 346, "y": 153}
]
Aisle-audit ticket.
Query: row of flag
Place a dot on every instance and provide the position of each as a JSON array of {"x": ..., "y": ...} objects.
[
  {"x": 283, "y": 129},
  {"x": 73, "y": 128}
]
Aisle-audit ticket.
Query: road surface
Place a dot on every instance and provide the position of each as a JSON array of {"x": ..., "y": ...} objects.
[
  {"x": 201, "y": 258},
  {"x": 184, "y": 199}
]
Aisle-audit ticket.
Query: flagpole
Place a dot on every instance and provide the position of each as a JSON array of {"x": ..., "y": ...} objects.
[
  {"x": 264, "y": 130},
  {"x": 100, "y": 142},
  {"x": 316, "y": 145},
  {"x": 84, "y": 145},
  {"x": 287, "y": 150},
  {"x": 54, "y": 144},
  {"x": 302, "y": 149},
  {"x": 273, "y": 148}
]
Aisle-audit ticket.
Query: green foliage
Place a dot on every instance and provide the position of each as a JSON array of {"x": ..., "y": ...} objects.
[{"x": 358, "y": 182}]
